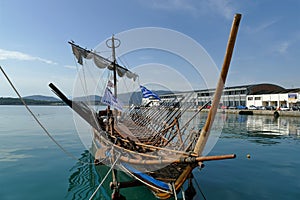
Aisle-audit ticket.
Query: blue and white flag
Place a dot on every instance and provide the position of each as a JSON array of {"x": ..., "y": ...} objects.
[
  {"x": 148, "y": 93},
  {"x": 109, "y": 99}
]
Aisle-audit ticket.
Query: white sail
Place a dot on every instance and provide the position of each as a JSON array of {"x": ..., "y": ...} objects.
[{"x": 100, "y": 62}]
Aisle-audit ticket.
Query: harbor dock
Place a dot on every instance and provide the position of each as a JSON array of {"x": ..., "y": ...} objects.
[{"x": 262, "y": 112}]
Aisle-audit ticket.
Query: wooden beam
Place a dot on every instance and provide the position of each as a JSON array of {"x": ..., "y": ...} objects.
[{"x": 201, "y": 142}]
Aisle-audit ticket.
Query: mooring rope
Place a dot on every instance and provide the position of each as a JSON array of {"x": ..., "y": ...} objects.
[
  {"x": 183, "y": 193},
  {"x": 174, "y": 191},
  {"x": 105, "y": 177},
  {"x": 40, "y": 124},
  {"x": 200, "y": 189}
]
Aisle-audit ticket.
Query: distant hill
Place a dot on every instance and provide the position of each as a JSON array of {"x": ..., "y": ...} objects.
[
  {"x": 125, "y": 98},
  {"x": 41, "y": 98},
  {"x": 133, "y": 98},
  {"x": 89, "y": 98},
  {"x": 17, "y": 101},
  {"x": 31, "y": 100}
]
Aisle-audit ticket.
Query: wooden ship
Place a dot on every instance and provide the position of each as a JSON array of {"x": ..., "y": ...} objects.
[{"x": 150, "y": 144}]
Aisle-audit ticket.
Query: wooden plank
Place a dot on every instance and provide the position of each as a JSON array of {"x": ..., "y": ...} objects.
[{"x": 125, "y": 132}]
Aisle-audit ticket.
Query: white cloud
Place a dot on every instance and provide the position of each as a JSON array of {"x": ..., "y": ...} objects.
[
  {"x": 70, "y": 66},
  {"x": 283, "y": 47},
  {"x": 172, "y": 5},
  {"x": 224, "y": 8},
  {"x": 16, "y": 55},
  {"x": 262, "y": 26},
  {"x": 221, "y": 7},
  {"x": 288, "y": 43}
]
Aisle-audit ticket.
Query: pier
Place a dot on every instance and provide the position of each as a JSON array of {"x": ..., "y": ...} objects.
[{"x": 262, "y": 112}]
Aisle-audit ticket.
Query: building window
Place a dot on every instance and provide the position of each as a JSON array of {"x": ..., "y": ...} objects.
[
  {"x": 250, "y": 98},
  {"x": 257, "y": 98}
]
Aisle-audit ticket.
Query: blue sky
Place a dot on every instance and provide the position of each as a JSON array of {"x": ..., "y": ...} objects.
[{"x": 34, "y": 35}]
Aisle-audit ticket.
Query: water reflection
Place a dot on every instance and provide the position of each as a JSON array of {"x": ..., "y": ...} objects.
[
  {"x": 265, "y": 130},
  {"x": 84, "y": 180},
  {"x": 274, "y": 126},
  {"x": 261, "y": 129}
]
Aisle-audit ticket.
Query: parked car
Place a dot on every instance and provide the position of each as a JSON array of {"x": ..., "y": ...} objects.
[
  {"x": 295, "y": 108},
  {"x": 224, "y": 107},
  {"x": 261, "y": 108},
  {"x": 242, "y": 107},
  {"x": 252, "y": 107},
  {"x": 284, "y": 108},
  {"x": 208, "y": 106},
  {"x": 270, "y": 108}
]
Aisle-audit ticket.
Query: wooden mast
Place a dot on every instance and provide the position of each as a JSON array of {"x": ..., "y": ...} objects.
[
  {"x": 114, "y": 184},
  {"x": 113, "y": 49},
  {"x": 114, "y": 64},
  {"x": 199, "y": 147}
]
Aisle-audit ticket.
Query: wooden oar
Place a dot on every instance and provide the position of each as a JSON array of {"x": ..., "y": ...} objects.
[
  {"x": 186, "y": 160},
  {"x": 201, "y": 142}
]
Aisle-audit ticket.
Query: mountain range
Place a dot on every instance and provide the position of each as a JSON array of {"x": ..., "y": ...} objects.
[
  {"x": 41, "y": 98},
  {"x": 133, "y": 98}
]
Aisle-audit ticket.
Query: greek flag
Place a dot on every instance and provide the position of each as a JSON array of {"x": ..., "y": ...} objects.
[
  {"x": 109, "y": 99},
  {"x": 148, "y": 93}
]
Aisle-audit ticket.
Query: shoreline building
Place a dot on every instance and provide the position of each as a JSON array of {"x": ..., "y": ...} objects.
[
  {"x": 286, "y": 98},
  {"x": 246, "y": 95}
]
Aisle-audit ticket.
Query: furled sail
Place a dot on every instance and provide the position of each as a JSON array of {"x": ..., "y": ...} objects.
[{"x": 99, "y": 61}]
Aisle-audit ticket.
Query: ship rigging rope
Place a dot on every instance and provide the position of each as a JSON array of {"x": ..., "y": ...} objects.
[
  {"x": 183, "y": 193},
  {"x": 174, "y": 191},
  {"x": 200, "y": 189},
  {"x": 87, "y": 73},
  {"x": 40, "y": 124},
  {"x": 105, "y": 177},
  {"x": 80, "y": 78},
  {"x": 83, "y": 79}
]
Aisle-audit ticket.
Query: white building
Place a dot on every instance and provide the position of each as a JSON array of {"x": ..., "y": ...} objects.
[
  {"x": 275, "y": 100},
  {"x": 246, "y": 95}
]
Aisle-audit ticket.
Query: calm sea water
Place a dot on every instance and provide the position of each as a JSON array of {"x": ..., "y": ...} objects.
[{"x": 33, "y": 167}]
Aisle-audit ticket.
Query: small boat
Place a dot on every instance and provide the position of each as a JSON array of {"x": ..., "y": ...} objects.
[{"x": 152, "y": 144}]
